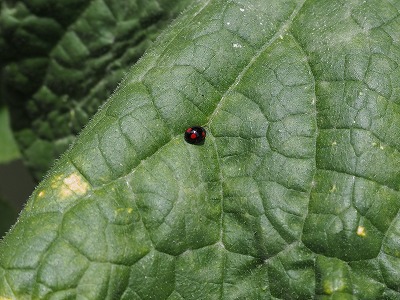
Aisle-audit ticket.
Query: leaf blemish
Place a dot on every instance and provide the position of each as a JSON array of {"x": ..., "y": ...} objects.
[
  {"x": 73, "y": 184},
  {"x": 361, "y": 231}
]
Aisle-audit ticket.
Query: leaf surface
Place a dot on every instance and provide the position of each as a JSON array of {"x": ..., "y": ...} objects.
[{"x": 294, "y": 194}]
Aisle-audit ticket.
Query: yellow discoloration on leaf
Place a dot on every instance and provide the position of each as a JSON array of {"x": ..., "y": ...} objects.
[
  {"x": 361, "y": 231},
  {"x": 331, "y": 287},
  {"x": 41, "y": 194},
  {"x": 74, "y": 184},
  {"x": 327, "y": 288},
  {"x": 128, "y": 210}
]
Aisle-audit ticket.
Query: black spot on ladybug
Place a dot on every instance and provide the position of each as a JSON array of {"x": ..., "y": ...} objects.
[{"x": 195, "y": 135}]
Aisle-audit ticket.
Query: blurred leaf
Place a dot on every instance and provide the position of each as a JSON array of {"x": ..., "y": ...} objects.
[{"x": 62, "y": 59}]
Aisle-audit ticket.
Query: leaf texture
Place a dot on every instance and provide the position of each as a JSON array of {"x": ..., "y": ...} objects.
[{"x": 294, "y": 194}]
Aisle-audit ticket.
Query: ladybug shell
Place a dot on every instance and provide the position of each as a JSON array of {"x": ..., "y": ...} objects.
[{"x": 195, "y": 135}]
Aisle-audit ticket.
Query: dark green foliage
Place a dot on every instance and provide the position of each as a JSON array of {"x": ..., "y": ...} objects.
[
  {"x": 62, "y": 59},
  {"x": 293, "y": 195}
]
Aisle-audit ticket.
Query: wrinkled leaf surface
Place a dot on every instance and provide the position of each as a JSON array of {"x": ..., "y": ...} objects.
[{"x": 294, "y": 194}]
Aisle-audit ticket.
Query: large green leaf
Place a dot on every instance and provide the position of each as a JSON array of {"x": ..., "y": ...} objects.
[
  {"x": 294, "y": 194},
  {"x": 62, "y": 59}
]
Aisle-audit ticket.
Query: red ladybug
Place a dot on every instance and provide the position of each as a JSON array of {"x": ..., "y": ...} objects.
[{"x": 195, "y": 135}]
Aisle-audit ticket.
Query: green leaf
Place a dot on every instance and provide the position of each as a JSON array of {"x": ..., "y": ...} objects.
[
  {"x": 8, "y": 149},
  {"x": 294, "y": 194},
  {"x": 62, "y": 59}
]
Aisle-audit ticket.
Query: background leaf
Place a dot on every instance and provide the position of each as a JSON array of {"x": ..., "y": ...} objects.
[
  {"x": 294, "y": 194},
  {"x": 62, "y": 59},
  {"x": 8, "y": 153}
]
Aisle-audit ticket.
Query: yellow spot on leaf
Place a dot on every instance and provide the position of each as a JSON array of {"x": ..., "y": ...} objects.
[
  {"x": 361, "y": 231},
  {"x": 333, "y": 189},
  {"x": 41, "y": 194},
  {"x": 124, "y": 210},
  {"x": 333, "y": 286},
  {"x": 73, "y": 184},
  {"x": 4, "y": 298},
  {"x": 334, "y": 143},
  {"x": 327, "y": 288},
  {"x": 382, "y": 147}
]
